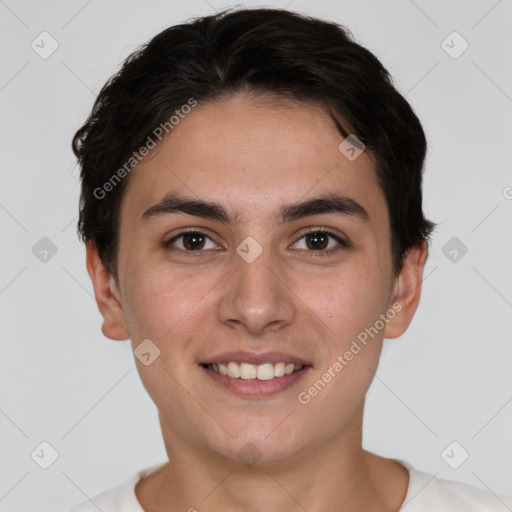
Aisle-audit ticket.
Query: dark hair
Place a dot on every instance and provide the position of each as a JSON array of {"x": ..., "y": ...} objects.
[{"x": 257, "y": 51}]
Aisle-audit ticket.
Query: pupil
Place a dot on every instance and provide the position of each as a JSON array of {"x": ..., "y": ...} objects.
[
  {"x": 193, "y": 241},
  {"x": 318, "y": 240}
]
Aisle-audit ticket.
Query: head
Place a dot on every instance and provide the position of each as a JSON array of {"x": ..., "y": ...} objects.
[{"x": 236, "y": 127}]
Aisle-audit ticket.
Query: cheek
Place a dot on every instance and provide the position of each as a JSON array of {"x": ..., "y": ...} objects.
[
  {"x": 160, "y": 301},
  {"x": 347, "y": 300},
  {"x": 165, "y": 308}
]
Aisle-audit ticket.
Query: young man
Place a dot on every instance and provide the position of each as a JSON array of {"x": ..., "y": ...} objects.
[{"x": 252, "y": 209}]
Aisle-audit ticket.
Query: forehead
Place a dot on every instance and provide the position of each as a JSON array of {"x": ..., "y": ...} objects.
[{"x": 253, "y": 155}]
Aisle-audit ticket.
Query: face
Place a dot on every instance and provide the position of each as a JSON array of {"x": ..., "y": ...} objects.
[{"x": 284, "y": 257}]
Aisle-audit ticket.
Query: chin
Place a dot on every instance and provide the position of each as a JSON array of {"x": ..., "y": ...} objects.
[{"x": 261, "y": 448}]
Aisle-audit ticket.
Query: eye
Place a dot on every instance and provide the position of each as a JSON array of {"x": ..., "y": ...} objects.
[
  {"x": 321, "y": 242},
  {"x": 190, "y": 241},
  {"x": 317, "y": 242}
]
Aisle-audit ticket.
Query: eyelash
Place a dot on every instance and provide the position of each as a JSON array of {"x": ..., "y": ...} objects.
[{"x": 311, "y": 253}]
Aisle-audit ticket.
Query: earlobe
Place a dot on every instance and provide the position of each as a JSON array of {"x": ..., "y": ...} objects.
[
  {"x": 407, "y": 291},
  {"x": 107, "y": 296}
]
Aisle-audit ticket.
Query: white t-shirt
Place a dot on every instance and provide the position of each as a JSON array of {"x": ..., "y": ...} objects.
[{"x": 425, "y": 493}]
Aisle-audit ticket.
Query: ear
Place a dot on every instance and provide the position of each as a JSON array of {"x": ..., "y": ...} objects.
[
  {"x": 407, "y": 291},
  {"x": 107, "y": 296}
]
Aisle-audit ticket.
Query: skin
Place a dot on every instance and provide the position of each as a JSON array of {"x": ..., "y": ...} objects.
[{"x": 253, "y": 155}]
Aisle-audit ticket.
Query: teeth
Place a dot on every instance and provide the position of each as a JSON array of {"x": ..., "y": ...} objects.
[
  {"x": 246, "y": 371},
  {"x": 265, "y": 372},
  {"x": 279, "y": 369},
  {"x": 233, "y": 370}
]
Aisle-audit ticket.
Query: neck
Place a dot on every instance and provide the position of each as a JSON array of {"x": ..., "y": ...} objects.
[{"x": 337, "y": 475}]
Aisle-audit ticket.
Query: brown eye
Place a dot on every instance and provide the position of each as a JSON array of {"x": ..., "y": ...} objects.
[
  {"x": 317, "y": 240},
  {"x": 193, "y": 241},
  {"x": 190, "y": 241}
]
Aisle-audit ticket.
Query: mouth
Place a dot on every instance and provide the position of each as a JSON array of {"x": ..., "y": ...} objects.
[
  {"x": 247, "y": 371},
  {"x": 255, "y": 375}
]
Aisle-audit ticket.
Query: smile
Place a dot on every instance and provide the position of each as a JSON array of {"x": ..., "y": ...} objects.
[{"x": 246, "y": 371}]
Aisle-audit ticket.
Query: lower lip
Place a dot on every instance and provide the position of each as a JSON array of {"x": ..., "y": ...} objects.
[{"x": 254, "y": 388}]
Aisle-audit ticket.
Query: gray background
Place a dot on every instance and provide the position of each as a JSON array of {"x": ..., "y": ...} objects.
[{"x": 447, "y": 379}]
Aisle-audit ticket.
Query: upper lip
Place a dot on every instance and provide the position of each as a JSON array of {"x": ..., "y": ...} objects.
[{"x": 255, "y": 358}]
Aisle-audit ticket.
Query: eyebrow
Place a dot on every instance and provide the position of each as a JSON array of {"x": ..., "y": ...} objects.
[{"x": 325, "y": 204}]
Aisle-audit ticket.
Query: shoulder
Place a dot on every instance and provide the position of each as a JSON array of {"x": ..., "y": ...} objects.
[
  {"x": 118, "y": 499},
  {"x": 106, "y": 501},
  {"x": 427, "y": 493}
]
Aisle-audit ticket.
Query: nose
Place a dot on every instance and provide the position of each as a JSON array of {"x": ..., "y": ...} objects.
[{"x": 256, "y": 297}]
